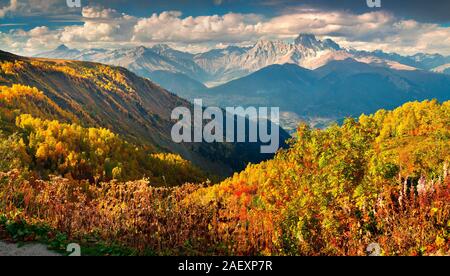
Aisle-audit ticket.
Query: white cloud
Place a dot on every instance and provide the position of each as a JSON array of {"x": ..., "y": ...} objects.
[
  {"x": 97, "y": 12},
  {"x": 171, "y": 27},
  {"x": 41, "y": 38},
  {"x": 369, "y": 31},
  {"x": 91, "y": 31},
  {"x": 101, "y": 25},
  {"x": 53, "y": 8}
]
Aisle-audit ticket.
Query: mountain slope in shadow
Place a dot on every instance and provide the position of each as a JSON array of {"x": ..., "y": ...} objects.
[{"x": 98, "y": 95}]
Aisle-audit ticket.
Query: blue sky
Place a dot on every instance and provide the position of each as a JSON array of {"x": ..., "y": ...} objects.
[
  {"x": 436, "y": 11},
  {"x": 408, "y": 26}
]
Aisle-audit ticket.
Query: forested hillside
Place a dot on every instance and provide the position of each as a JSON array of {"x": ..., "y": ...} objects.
[
  {"x": 101, "y": 96},
  {"x": 383, "y": 178},
  {"x": 380, "y": 179}
]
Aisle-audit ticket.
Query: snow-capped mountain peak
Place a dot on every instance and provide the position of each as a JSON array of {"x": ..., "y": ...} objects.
[
  {"x": 308, "y": 41},
  {"x": 218, "y": 66},
  {"x": 329, "y": 43}
]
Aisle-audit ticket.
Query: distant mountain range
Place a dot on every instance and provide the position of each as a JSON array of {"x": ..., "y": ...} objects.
[
  {"x": 331, "y": 92},
  {"x": 309, "y": 79},
  {"x": 223, "y": 65}
]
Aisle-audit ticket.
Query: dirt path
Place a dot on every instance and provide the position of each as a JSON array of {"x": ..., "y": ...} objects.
[{"x": 11, "y": 249}]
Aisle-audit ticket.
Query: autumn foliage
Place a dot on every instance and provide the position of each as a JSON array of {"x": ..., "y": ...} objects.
[
  {"x": 48, "y": 146},
  {"x": 380, "y": 179}
]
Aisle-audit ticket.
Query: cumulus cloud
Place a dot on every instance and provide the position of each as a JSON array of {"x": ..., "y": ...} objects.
[
  {"x": 369, "y": 31},
  {"x": 100, "y": 25},
  {"x": 171, "y": 27},
  {"x": 54, "y": 8},
  {"x": 98, "y": 12},
  {"x": 373, "y": 30},
  {"x": 41, "y": 38}
]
